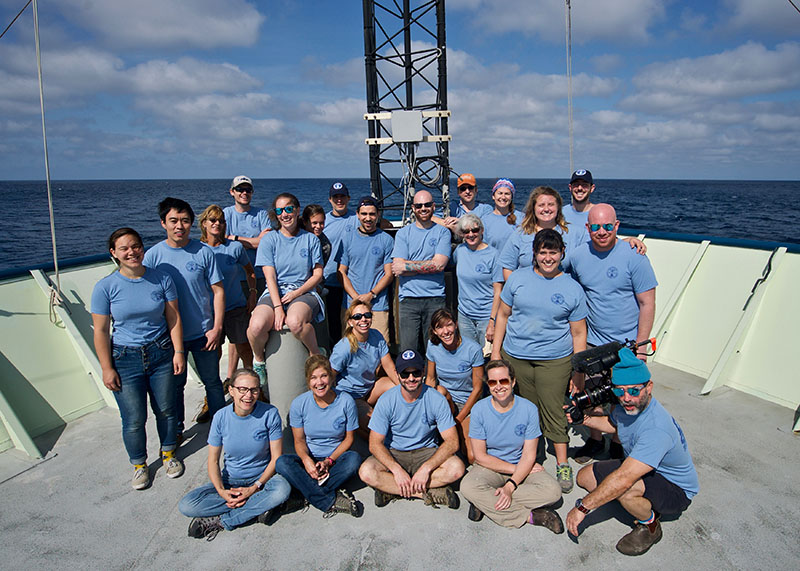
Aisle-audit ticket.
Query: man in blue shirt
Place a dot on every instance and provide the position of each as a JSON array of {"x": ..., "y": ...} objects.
[
  {"x": 581, "y": 187},
  {"x": 201, "y": 299},
  {"x": 468, "y": 202},
  {"x": 657, "y": 476},
  {"x": 421, "y": 252},
  {"x": 246, "y": 224},
  {"x": 339, "y": 224},
  {"x": 405, "y": 461}
]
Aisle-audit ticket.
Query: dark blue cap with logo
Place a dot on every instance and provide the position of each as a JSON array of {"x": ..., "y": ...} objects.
[
  {"x": 409, "y": 359},
  {"x": 581, "y": 174},
  {"x": 339, "y": 188}
]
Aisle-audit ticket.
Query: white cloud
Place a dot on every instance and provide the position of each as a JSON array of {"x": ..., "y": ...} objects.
[
  {"x": 605, "y": 63},
  {"x": 187, "y": 75},
  {"x": 336, "y": 74},
  {"x": 764, "y": 16},
  {"x": 343, "y": 112}
]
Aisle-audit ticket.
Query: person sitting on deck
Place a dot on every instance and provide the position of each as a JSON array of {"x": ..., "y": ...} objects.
[
  {"x": 657, "y": 476},
  {"x": 405, "y": 461}
]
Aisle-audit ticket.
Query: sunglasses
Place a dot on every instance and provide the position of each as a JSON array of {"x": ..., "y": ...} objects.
[
  {"x": 243, "y": 189},
  {"x": 607, "y": 227},
  {"x": 359, "y": 316},
  {"x": 410, "y": 373},
  {"x": 215, "y": 220},
  {"x": 287, "y": 209},
  {"x": 503, "y": 382},
  {"x": 244, "y": 390},
  {"x": 472, "y": 231},
  {"x": 419, "y": 205},
  {"x": 633, "y": 391},
  {"x": 466, "y": 187}
]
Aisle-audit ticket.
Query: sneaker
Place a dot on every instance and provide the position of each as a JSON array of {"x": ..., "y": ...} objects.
[
  {"x": 141, "y": 477},
  {"x": 564, "y": 478},
  {"x": 261, "y": 370},
  {"x": 615, "y": 451},
  {"x": 642, "y": 538},
  {"x": 474, "y": 513},
  {"x": 204, "y": 415},
  {"x": 345, "y": 503},
  {"x": 384, "y": 498},
  {"x": 270, "y": 516},
  {"x": 207, "y": 527},
  {"x": 588, "y": 451},
  {"x": 174, "y": 467},
  {"x": 546, "y": 517},
  {"x": 444, "y": 496}
]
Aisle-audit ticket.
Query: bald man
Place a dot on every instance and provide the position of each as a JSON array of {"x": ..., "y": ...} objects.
[{"x": 421, "y": 252}]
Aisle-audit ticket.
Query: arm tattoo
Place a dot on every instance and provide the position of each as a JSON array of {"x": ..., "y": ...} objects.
[{"x": 423, "y": 267}]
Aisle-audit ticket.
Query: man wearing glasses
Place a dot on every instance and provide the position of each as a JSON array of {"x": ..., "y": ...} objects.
[
  {"x": 246, "y": 224},
  {"x": 657, "y": 476},
  {"x": 406, "y": 461},
  {"x": 421, "y": 252}
]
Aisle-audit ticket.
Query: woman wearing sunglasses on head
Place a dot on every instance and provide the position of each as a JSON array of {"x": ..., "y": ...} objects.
[
  {"x": 505, "y": 482},
  {"x": 249, "y": 432},
  {"x": 292, "y": 264},
  {"x": 355, "y": 360}
]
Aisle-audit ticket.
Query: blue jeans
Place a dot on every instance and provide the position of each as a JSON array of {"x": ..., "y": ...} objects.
[
  {"x": 205, "y": 501},
  {"x": 415, "y": 319},
  {"x": 207, "y": 365},
  {"x": 290, "y": 466},
  {"x": 474, "y": 329},
  {"x": 143, "y": 371}
]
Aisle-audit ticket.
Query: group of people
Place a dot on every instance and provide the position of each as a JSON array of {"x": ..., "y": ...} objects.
[{"x": 534, "y": 287}]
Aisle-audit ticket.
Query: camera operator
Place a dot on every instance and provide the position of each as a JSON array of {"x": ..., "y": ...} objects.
[{"x": 657, "y": 476}]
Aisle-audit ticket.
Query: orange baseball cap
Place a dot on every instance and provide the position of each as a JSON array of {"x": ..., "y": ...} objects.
[{"x": 466, "y": 178}]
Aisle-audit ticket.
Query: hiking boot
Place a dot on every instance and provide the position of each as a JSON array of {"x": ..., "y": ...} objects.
[
  {"x": 141, "y": 477},
  {"x": 546, "y": 517},
  {"x": 384, "y": 498},
  {"x": 345, "y": 503},
  {"x": 207, "y": 527},
  {"x": 642, "y": 538},
  {"x": 261, "y": 370},
  {"x": 294, "y": 503},
  {"x": 588, "y": 451},
  {"x": 174, "y": 467},
  {"x": 564, "y": 478},
  {"x": 474, "y": 513},
  {"x": 444, "y": 496},
  {"x": 615, "y": 451},
  {"x": 204, "y": 415},
  {"x": 270, "y": 516}
]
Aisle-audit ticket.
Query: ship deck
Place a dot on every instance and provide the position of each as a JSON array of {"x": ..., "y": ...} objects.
[{"x": 75, "y": 508}]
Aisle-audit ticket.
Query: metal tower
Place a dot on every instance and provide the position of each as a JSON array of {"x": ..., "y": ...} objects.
[{"x": 406, "y": 68}]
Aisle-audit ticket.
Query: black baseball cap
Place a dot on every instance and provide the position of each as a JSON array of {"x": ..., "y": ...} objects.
[
  {"x": 581, "y": 174},
  {"x": 339, "y": 188}
]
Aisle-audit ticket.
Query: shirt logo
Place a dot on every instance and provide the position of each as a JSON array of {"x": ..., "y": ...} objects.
[
  {"x": 432, "y": 242},
  {"x": 557, "y": 298},
  {"x": 463, "y": 366},
  {"x": 230, "y": 260},
  {"x": 260, "y": 435},
  {"x": 303, "y": 252},
  {"x": 254, "y": 223},
  {"x": 338, "y": 424},
  {"x": 192, "y": 266},
  {"x": 480, "y": 268},
  {"x": 612, "y": 272},
  {"x": 519, "y": 430},
  {"x": 375, "y": 251},
  {"x": 158, "y": 296}
]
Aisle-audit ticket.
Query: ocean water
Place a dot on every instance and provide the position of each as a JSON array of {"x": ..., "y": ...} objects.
[{"x": 86, "y": 212}]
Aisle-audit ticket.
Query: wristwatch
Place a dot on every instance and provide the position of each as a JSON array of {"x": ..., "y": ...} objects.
[{"x": 581, "y": 508}]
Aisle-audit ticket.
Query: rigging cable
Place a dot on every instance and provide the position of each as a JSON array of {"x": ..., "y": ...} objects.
[
  {"x": 15, "y": 18},
  {"x": 794, "y": 5},
  {"x": 568, "y": 31}
]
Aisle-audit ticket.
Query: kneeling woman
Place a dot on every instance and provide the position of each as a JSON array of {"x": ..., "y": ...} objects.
[
  {"x": 505, "y": 482},
  {"x": 323, "y": 424},
  {"x": 250, "y": 433}
]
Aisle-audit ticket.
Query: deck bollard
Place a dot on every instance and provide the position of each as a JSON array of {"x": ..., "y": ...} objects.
[{"x": 286, "y": 357}]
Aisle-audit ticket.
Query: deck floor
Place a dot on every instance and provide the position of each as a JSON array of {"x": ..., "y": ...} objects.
[{"x": 75, "y": 508}]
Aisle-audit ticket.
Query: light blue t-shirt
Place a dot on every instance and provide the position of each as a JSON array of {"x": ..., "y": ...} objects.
[
  {"x": 365, "y": 255},
  {"x": 454, "y": 368},
  {"x": 654, "y": 438},
  {"x": 325, "y": 428},
  {"x": 505, "y": 433},
  {"x": 193, "y": 269},
  {"x": 611, "y": 281},
  {"x": 415, "y": 243},
  {"x": 292, "y": 257},
  {"x": 248, "y": 224},
  {"x": 496, "y": 228},
  {"x": 518, "y": 251},
  {"x": 136, "y": 306},
  {"x": 411, "y": 425},
  {"x": 574, "y": 218},
  {"x": 231, "y": 258},
  {"x": 245, "y": 439},
  {"x": 356, "y": 371},
  {"x": 541, "y": 309},
  {"x": 476, "y": 271},
  {"x": 337, "y": 229},
  {"x": 458, "y": 210}
]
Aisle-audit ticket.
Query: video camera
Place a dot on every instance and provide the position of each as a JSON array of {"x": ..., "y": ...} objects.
[{"x": 598, "y": 362}]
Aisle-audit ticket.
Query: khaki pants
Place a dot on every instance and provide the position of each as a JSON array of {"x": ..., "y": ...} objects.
[{"x": 537, "y": 490}]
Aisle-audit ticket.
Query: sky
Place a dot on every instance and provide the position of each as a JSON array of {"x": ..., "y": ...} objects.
[{"x": 662, "y": 89}]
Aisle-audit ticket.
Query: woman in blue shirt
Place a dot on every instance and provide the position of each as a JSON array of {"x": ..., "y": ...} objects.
[
  {"x": 143, "y": 354},
  {"x": 540, "y": 323},
  {"x": 501, "y": 222},
  {"x": 323, "y": 425},
  {"x": 455, "y": 368},
  {"x": 479, "y": 281}
]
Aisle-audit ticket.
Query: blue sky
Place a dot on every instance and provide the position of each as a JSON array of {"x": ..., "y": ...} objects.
[{"x": 214, "y": 88}]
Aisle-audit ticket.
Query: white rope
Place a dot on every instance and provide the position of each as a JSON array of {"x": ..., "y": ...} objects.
[{"x": 568, "y": 24}]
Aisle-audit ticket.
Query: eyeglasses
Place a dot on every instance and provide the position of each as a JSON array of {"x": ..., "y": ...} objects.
[
  {"x": 247, "y": 189},
  {"x": 503, "y": 382},
  {"x": 607, "y": 227},
  {"x": 287, "y": 209},
  {"x": 472, "y": 231},
  {"x": 466, "y": 187},
  {"x": 244, "y": 390},
  {"x": 359, "y": 316},
  {"x": 633, "y": 391},
  {"x": 215, "y": 220},
  {"x": 410, "y": 373},
  {"x": 419, "y": 205}
]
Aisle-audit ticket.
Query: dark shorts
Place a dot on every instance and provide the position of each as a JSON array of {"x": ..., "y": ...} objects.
[
  {"x": 306, "y": 298},
  {"x": 234, "y": 325},
  {"x": 666, "y": 497},
  {"x": 411, "y": 460}
]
